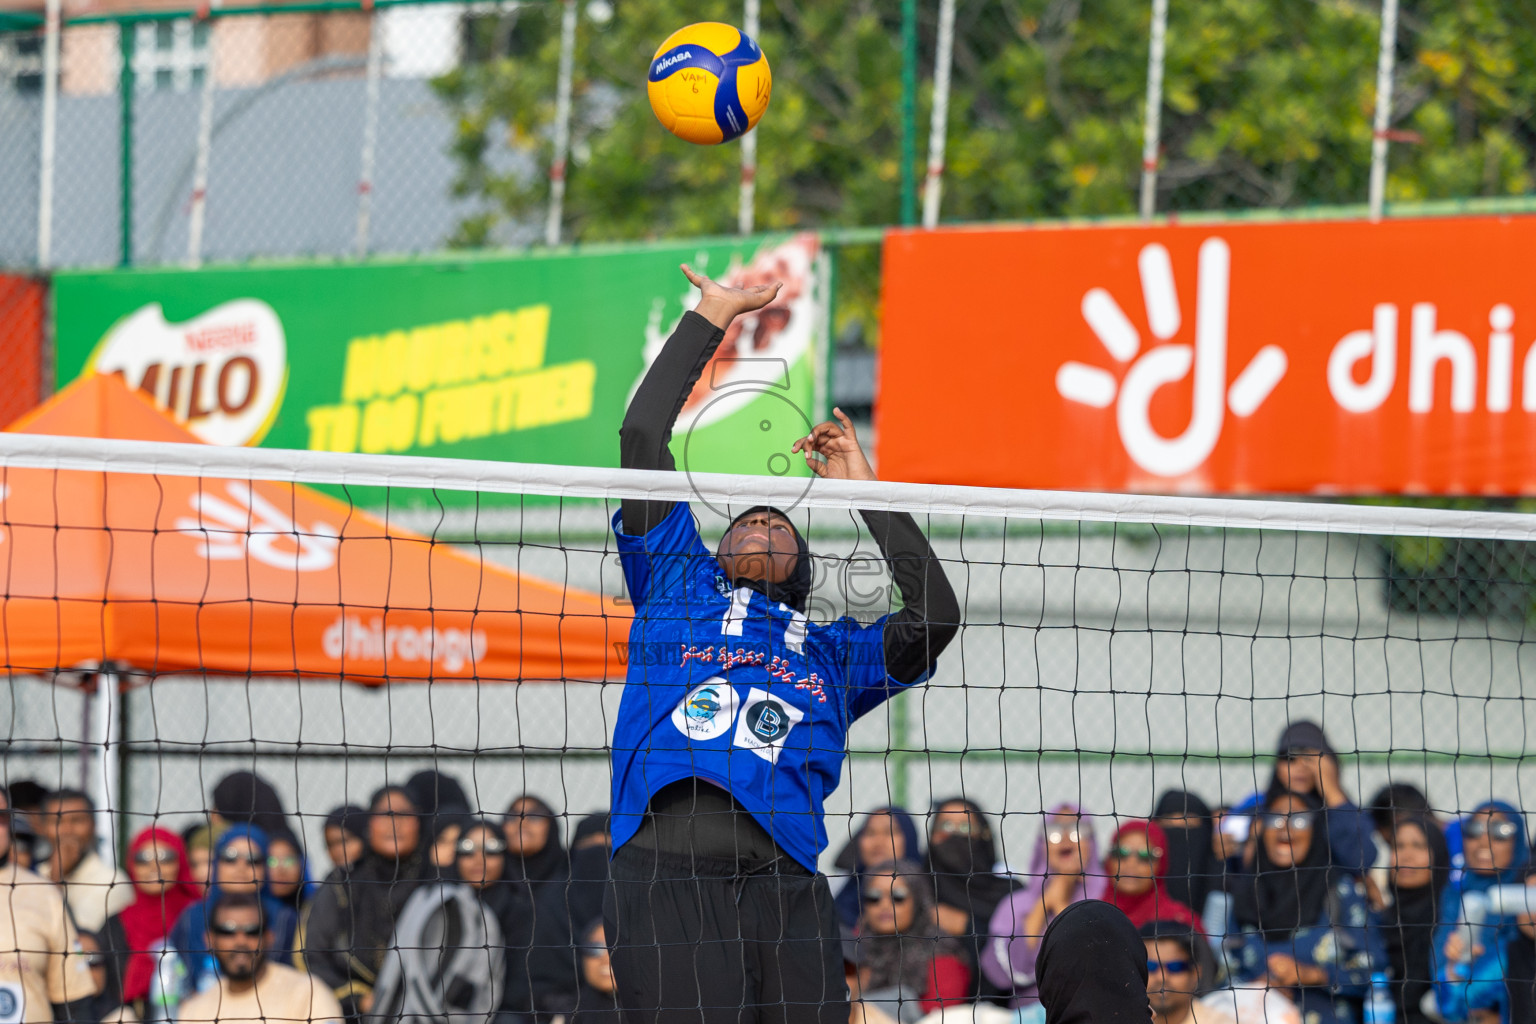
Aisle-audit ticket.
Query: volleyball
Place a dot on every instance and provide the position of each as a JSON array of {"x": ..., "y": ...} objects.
[{"x": 709, "y": 83}]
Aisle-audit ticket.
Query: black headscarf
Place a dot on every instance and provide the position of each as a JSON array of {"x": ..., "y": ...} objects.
[
  {"x": 589, "y": 870},
  {"x": 1190, "y": 858},
  {"x": 350, "y": 818},
  {"x": 1276, "y": 900},
  {"x": 1092, "y": 968},
  {"x": 1394, "y": 801},
  {"x": 245, "y": 798},
  {"x": 549, "y": 864},
  {"x": 1408, "y": 925},
  {"x": 433, "y": 833},
  {"x": 961, "y": 868},
  {"x": 435, "y": 792},
  {"x": 795, "y": 591},
  {"x": 1303, "y": 735}
]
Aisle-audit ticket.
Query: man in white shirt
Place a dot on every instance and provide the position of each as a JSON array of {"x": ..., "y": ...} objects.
[
  {"x": 251, "y": 988},
  {"x": 94, "y": 890},
  {"x": 43, "y": 971}
]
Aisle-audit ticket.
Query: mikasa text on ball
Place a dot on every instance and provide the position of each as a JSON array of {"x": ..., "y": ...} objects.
[{"x": 709, "y": 83}]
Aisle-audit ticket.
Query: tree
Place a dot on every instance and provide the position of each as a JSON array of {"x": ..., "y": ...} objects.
[{"x": 1268, "y": 103}]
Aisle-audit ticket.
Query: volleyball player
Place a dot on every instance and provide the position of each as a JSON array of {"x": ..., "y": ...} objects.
[{"x": 733, "y": 725}]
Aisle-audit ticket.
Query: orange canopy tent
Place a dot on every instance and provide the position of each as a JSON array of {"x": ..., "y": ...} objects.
[{"x": 174, "y": 574}]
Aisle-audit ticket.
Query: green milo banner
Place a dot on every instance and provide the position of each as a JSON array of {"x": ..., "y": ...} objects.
[{"x": 517, "y": 358}]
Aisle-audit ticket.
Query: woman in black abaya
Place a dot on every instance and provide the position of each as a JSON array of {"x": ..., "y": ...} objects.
[
  {"x": 1192, "y": 870},
  {"x": 962, "y": 853},
  {"x": 1421, "y": 865}
]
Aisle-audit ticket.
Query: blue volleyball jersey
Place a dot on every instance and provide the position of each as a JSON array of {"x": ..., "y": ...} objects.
[{"x": 726, "y": 686}]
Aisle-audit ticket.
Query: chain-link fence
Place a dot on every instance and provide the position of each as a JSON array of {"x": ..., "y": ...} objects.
[
  {"x": 226, "y": 137},
  {"x": 332, "y": 129}
]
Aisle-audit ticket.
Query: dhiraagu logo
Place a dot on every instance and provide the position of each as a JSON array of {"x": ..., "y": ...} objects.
[
  {"x": 222, "y": 373},
  {"x": 443, "y": 383},
  {"x": 1164, "y": 364}
]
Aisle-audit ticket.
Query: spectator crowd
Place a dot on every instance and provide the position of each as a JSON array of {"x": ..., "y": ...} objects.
[{"x": 1295, "y": 906}]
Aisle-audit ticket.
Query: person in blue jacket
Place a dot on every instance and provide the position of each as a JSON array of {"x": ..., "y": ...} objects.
[
  {"x": 1306, "y": 763},
  {"x": 239, "y": 865},
  {"x": 1470, "y": 977},
  {"x": 733, "y": 725},
  {"x": 1300, "y": 923}
]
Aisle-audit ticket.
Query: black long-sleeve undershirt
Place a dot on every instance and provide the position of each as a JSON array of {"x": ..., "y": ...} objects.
[{"x": 930, "y": 615}]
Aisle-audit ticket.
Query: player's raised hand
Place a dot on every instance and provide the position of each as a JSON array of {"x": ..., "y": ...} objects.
[
  {"x": 837, "y": 444},
  {"x": 720, "y": 305}
]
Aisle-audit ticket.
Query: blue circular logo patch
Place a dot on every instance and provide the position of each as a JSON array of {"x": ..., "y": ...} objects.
[{"x": 768, "y": 721}]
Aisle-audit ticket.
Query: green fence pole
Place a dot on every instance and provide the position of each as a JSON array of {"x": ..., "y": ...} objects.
[
  {"x": 125, "y": 88},
  {"x": 899, "y": 758},
  {"x": 909, "y": 111}
]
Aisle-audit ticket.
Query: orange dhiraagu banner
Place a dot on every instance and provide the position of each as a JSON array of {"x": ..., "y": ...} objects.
[{"x": 1329, "y": 357}]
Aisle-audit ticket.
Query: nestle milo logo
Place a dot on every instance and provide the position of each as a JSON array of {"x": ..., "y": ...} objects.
[{"x": 671, "y": 59}]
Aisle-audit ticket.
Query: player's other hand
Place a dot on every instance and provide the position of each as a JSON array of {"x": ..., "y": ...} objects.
[
  {"x": 720, "y": 305},
  {"x": 837, "y": 445}
]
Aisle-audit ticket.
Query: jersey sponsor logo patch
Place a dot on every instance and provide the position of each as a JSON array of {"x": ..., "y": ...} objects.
[
  {"x": 707, "y": 711},
  {"x": 11, "y": 1003},
  {"x": 765, "y": 724}
]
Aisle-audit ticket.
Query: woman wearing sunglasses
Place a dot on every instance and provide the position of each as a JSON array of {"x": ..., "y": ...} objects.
[
  {"x": 909, "y": 966},
  {"x": 1063, "y": 871},
  {"x": 888, "y": 833},
  {"x": 596, "y": 1000},
  {"x": 1307, "y": 764},
  {"x": 1471, "y": 943},
  {"x": 1300, "y": 924},
  {"x": 1136, "y": 864},
  {"x": 481, "y": 864},
  {"x": 288, "y": 872},
  {"x": 162, "y": 891}
]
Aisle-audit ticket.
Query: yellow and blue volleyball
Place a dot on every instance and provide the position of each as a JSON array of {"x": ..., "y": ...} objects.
[{"x": 709, "y": 83}]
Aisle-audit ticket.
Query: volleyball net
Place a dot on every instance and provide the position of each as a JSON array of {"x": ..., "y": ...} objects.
[{"x": 173, "y": 613}]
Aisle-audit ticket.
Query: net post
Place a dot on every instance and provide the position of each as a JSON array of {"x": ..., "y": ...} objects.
[
  {"x": 900, "y": 755},
  {"x": 104, "y": 781}
]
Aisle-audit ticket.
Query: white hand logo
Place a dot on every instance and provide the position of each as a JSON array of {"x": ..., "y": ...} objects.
[
  {"x": 254, "y": 525},
  {"x": 1164, "y": 364}
]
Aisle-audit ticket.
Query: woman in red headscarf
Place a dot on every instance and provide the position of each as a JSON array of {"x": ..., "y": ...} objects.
[
  {"x": 1136, "y": 862},
  {"x": 163, "y": 888}
]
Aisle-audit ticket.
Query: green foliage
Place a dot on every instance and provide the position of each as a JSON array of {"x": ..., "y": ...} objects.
[{"x": 1268, "y": 103}]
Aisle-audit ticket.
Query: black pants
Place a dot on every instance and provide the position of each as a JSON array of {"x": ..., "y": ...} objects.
[{"x": 704, "y": 937}]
